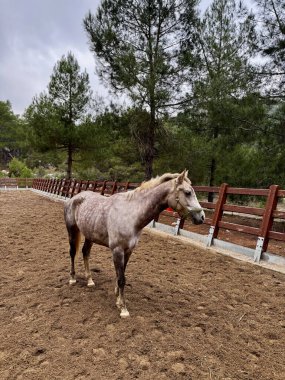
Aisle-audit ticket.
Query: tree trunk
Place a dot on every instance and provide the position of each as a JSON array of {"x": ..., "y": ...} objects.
[
  {"x": 148, "y": 168},
  {"x": 69, "y": 162},
  {"x": 149, "y": 149},
  {"x": 212, "y": 179},
  {"x": 213, "y": 164}
]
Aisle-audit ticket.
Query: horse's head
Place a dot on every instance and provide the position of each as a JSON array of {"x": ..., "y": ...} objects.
[{"x": 183, "y": 199}]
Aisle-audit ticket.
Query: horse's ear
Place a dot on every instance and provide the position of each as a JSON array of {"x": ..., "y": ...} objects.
[{"x": 181, "y": 177}]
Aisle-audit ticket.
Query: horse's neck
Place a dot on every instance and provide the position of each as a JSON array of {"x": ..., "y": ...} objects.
[{"x": 152, "y": 202}]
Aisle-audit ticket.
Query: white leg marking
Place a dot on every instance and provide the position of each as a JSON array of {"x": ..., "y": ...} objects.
[
  {"x": 90, "y": 282},
  {"x": 124, "y": 313}
]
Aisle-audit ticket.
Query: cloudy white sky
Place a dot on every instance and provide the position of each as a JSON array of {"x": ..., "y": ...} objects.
[{"x": 34, "y": 34}]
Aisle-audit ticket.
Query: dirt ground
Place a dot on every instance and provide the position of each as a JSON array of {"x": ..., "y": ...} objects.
[{"x": 194, "y": 314}]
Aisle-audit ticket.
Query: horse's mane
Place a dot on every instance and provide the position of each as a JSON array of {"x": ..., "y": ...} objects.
[
  {"x": 157, "y": 181},
  {"x": 154, "y": 182}
]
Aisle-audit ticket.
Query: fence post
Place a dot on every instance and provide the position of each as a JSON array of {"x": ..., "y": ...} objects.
[
  {"x": 114, "y": 188},
  {"x": 103, "y": 188},
  {"x": 73, "y": 186},
  {"x": 218, "y": 213},
  {"x": 94, "y": 184},
  {"x": 267, "y": 222},
  {"x": 179, "y": 225},
  {"x": 79, "y": 186}
]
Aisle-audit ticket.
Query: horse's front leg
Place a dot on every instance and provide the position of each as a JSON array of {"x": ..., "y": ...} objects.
[{"x": 119, "y": 262}]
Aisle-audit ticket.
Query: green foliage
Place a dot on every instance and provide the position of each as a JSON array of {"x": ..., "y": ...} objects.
[
  {"x": 140, "y": 49},
  {"x": 164, "y": 60},
  {"x": 272, "y": 44},
  {"x": 115, "y": 156},
  {"x": 69, "y": 92},
  {"x": 134, "y": 43},
  {"x": 2, "y": 175},
  {"x": 55, "y": 119},
  {"x": 225, "y": 105},
  {"x": 18, "y": 168},
  {"x": 8, "y": 123},
  {"x": 12, "y": 138}
]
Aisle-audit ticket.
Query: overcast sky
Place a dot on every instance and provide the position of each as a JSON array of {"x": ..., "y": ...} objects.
[{"x": 34, "y": 34}]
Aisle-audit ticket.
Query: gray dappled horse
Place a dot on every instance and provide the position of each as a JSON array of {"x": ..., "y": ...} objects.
[{"x": 117, "y": 221}]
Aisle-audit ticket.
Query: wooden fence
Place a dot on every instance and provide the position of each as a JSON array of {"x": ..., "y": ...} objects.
[
  {"x": 216, "y": 211},
  {"x": 265, "y": 215},
  {"x": 16, "y": 183},
  {"x": 70, "y": 187}
]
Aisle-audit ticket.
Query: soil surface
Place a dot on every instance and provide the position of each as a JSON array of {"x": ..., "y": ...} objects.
[{"x": 195, "y": 314}]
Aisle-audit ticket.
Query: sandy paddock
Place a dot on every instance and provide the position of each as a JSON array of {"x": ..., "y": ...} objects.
[{"x": 194, "y": 314}]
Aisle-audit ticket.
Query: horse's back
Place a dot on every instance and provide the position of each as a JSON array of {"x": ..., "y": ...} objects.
[{"x": 72, "y": 205}]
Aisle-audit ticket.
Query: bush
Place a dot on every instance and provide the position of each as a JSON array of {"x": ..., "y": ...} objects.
[{"x": 17, "y": 168}]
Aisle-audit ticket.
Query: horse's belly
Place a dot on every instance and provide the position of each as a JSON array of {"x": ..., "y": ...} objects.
[
  {"x": 97, "y": 233},
  {"x": 98, "y": 237}
]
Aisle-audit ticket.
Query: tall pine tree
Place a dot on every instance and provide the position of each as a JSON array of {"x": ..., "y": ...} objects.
[
  {"x": 223, "y": 92},
  {"x": 139, "y": 50},
  {"x": 56, "y": 117}
]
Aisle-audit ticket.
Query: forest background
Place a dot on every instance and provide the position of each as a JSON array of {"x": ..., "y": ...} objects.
[{"x": 203, "y": 92}]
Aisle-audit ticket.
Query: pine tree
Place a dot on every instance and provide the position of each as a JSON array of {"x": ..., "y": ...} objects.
[
  {"x": 224, "y": 92},
  {"x": 272, "y": 45},
  {"x": 139, "y": 51},
  {"x": 56, "y": 117}
]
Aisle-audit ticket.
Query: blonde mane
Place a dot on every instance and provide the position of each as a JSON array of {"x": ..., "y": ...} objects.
[
  {"x": 157, "y": 181},
  {"x": 154, "y": 182}
]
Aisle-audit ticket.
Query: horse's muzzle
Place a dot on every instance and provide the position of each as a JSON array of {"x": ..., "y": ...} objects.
[{"x": 197, "y": 215}]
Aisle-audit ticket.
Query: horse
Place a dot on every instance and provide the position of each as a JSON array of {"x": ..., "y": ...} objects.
[{"x": 117, "y": 221}]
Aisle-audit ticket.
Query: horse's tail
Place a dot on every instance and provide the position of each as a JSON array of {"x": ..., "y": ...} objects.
[{"x": 70, "y": 221}]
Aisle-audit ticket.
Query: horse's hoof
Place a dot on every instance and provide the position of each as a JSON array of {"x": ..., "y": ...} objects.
[
  {"x": 90, "y": 284},
  {"x": 124, "y": 313},
  {"x": 72, "y": 281}
]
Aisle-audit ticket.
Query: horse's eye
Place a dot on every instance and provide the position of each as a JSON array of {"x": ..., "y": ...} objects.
[{"x": 187, "y": 193}]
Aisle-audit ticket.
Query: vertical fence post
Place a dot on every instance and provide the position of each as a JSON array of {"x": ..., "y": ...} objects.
[
  {"x": 179, "y": 225},
  {"x": 114, "y": 188},
  {"x": 73, "y": 186},
  {"x": 79, "y": 183},
  {"x": 154, "y": 220},
  {"x": 218, "y": 213},
  {"x": 267, "y": 222},
  {"x": 103, "y": 188},
  {"x": 94, "y": 185}
]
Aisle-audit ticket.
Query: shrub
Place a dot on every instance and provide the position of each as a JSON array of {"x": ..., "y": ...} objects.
[{"x": 17, "y": 168}]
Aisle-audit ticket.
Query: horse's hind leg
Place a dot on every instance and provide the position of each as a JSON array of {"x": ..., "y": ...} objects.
[
  {"x": 74, "y": 242},
  {"x": 86, "y": 254},
  {"x": 119, "y": 262}
]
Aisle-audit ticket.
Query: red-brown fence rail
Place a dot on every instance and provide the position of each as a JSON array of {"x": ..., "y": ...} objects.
[
  {"x": 70, "y": 187},
  {"x": 216, "y": 212}
]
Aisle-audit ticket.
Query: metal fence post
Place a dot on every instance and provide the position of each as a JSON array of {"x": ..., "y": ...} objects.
[
  {"x": 267, "y": 222},
  {"x": 218, "y": 213}
]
